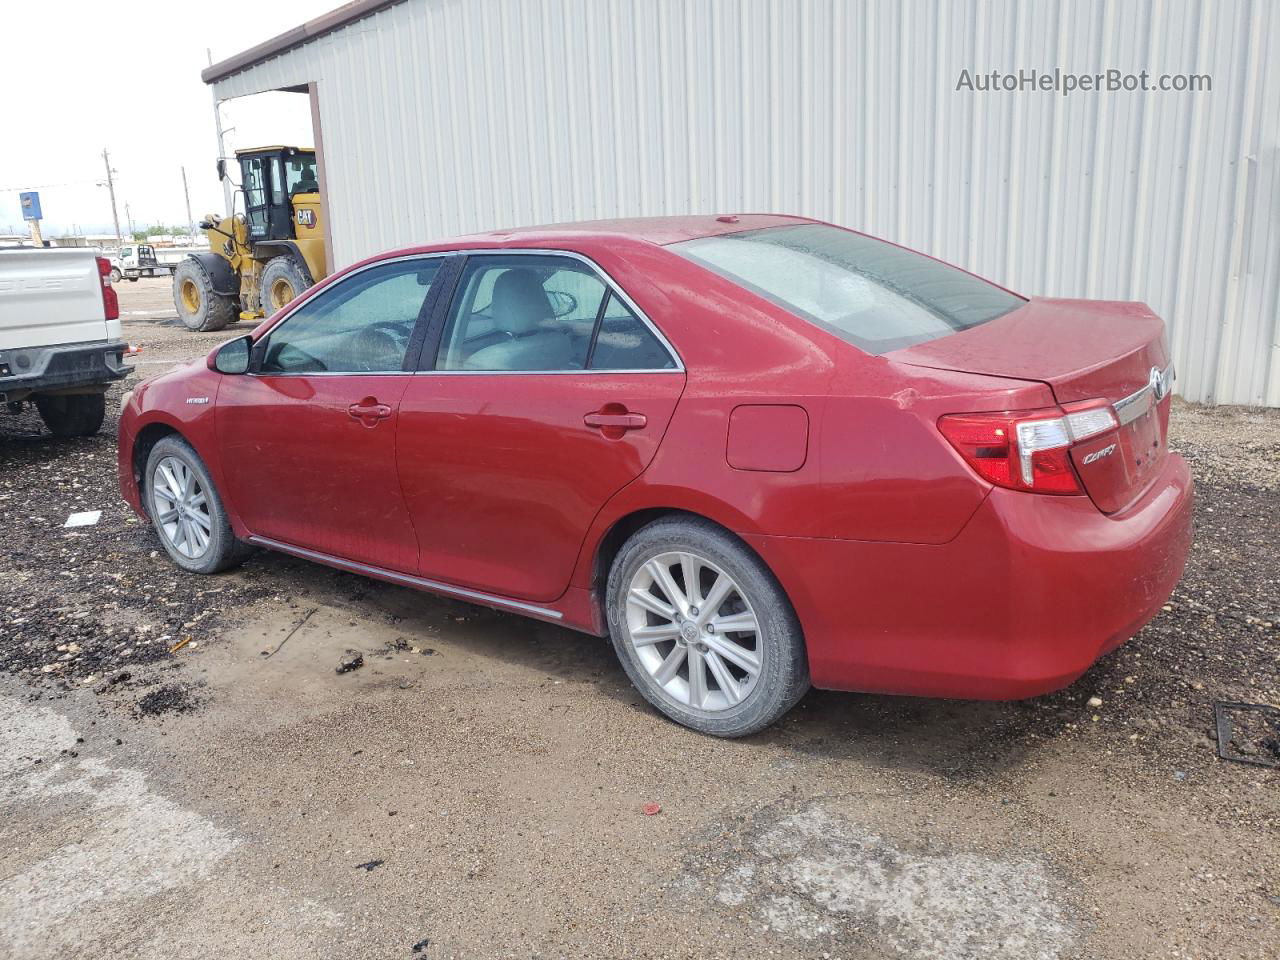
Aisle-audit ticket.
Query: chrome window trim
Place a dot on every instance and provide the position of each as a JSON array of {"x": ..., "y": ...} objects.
[
  {"x": 1130, "y": 408},
  {"x": 407, "y": 579},
  {"x": 463, "y": 373},
  {"x": 536, "y": 373},
  {"x": 614, "y": 287},
  {"x": 344, "y": 373}
]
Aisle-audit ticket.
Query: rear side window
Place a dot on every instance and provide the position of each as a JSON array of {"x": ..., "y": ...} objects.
[
  {"x": 546, "y": 314},
  {"x": 521, "y": 313},
  {"x": 875, "y": 295},
  {"x": 623, "y": 342}
]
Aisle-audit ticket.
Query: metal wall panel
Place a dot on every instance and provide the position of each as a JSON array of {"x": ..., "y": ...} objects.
[{"x": 443, "y": 117}]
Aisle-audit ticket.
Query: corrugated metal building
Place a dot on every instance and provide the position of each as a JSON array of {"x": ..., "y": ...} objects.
[{"x": 439, "y": 117}]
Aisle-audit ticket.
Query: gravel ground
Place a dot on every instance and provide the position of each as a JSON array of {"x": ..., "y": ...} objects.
[{"x": 1099, "y": 816}]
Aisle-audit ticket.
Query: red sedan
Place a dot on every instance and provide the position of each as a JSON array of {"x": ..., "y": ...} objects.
[{"x": 758, "y": 452}]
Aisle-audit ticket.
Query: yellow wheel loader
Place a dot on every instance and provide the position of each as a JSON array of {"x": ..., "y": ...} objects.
[{"x": 261, "y": 259}]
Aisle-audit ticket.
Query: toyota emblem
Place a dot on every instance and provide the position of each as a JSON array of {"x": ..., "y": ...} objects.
[{"x": 1159, "y": 384}]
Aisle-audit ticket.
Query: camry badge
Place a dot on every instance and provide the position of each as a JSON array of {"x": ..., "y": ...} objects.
[{"x": 1099, "y": 454}]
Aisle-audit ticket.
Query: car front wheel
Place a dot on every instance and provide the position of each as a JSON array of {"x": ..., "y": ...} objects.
[
  {"x": 187, "y": 512},
  {"x": 703, "y": 629}
]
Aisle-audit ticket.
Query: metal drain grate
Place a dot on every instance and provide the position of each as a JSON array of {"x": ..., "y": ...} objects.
[{"x": 1248, "y": 733}]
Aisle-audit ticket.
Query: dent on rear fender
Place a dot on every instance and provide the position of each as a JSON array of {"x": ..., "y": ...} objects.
[{"x": 888, "y": 475}]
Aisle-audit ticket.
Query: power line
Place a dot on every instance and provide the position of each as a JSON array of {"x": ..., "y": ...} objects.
[{"x": 45, "y": 186}]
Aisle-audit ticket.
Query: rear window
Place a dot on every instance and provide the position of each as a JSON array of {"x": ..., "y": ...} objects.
[{"x": 876, "y": 296}]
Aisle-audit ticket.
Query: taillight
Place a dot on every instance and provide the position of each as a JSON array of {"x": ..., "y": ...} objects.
[
  {"x": 1027, "y": 449},
  {"x": 110, "y": 302}
]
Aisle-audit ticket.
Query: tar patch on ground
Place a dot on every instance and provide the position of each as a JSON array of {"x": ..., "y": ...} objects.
[
  {"x": 810, "y": 876},
  {"x": 170, "y": 698}
]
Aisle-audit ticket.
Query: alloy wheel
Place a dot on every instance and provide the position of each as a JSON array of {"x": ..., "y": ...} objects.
[
  {"x": 694, "y": 632},
  {"x": 181, "y": 508}
]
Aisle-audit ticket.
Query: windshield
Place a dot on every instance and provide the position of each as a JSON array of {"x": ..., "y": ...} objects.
[{"x": 875, "y": 295}]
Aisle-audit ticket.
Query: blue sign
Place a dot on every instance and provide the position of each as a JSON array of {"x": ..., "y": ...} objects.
[{"x": 30, "y": 205}]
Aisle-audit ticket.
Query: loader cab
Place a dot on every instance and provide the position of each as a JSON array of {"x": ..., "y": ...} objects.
[{"x": 270, "y": 177}]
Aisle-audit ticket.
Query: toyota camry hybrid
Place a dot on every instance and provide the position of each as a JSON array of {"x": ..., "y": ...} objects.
[{"x": 758, "y": 452}]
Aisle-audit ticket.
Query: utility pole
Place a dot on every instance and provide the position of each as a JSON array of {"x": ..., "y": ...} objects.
[
  {"x": 191, "y": 224},
  {"x": 128, "y": 219},
  {"x": 222, "y": 150},
  {"x": 111, "y": 189}
]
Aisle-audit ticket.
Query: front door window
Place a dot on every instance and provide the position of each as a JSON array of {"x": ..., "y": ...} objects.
[{"x": 362, "y": 324}]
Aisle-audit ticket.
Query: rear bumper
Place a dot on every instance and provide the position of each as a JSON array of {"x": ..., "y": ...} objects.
[
  {"x": 1024, "y": 600},
  {"x": 28, "y": 370}
]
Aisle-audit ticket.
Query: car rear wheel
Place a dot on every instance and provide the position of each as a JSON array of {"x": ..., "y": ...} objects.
[
  {"x": 187, "y": 512},
  {"x": 704, "y": 630},
  {"x": 73, "y": 415}
]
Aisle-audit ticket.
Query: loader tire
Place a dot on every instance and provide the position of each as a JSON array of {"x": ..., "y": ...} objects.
[
  {"x": 282, "y": 280},
  {"x": 199, "y": 307}
]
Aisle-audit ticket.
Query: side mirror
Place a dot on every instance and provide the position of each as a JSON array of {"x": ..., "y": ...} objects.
[
  {"x": 222, "y": 169},
  {"x": 232, "y": 357}
]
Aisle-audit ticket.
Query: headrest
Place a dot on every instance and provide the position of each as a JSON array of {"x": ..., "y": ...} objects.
[{"x": 519, "y": 302}]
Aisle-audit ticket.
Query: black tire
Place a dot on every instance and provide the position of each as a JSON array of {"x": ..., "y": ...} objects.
[
  {"x": 223, "y": 550},
  {"x": 199, "y": 308},
  {"x": 114, "y": 276},
  {"x": 77, "y": 415},
  {"x": 280, "y": 274},
  {"x": 784, "y": 667},
  {"x": 132, "y": 279}
]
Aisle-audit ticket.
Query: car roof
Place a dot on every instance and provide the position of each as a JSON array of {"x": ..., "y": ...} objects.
[{"x": 655, "y": 230}]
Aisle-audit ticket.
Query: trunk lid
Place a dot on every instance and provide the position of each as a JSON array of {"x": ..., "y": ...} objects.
[{"x": 1085, "y": 350}]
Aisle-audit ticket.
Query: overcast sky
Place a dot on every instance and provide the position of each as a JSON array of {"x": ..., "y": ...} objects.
[{"x": 80, "y": 76}]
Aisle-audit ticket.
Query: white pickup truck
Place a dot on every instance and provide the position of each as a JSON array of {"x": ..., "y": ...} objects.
[{"x": 60, "y": 345}]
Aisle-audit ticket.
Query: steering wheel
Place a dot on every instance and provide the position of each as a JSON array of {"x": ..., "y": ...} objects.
[
  {"x": 562, "y": 303},
  {"x": 391, "y": 327}
]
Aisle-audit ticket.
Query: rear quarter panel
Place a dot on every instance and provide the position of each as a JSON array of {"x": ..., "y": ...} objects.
[
  {"x": 875, "y": 467},
  {"x": 888, "y": 474}
]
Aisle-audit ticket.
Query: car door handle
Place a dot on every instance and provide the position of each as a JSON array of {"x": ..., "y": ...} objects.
[
  {"x": 369, "y": 411},
  {"x": 615, "y": 421}
]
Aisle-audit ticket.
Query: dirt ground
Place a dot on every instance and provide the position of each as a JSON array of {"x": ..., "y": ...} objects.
[{"x": 475, "y": 789}]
